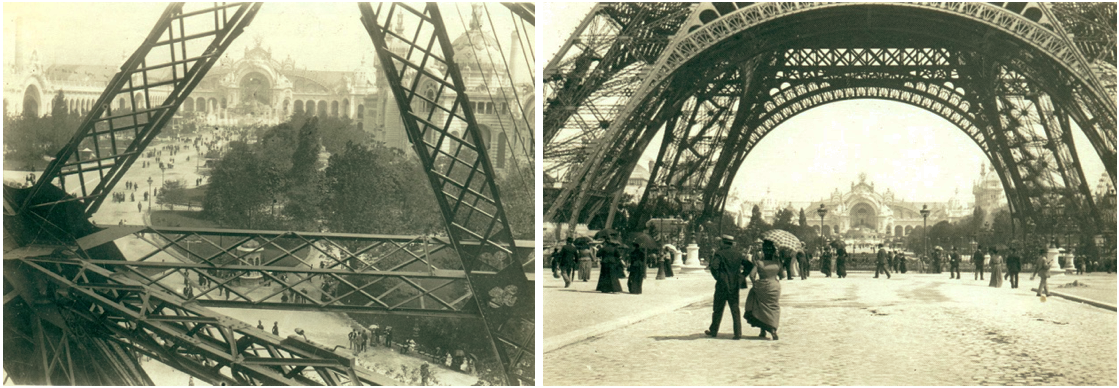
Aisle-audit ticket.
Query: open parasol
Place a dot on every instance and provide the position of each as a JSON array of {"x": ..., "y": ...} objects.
[
  {"x": 582, "y": 240},
  {"x": 783, "y": 239},
  {"x": 642, "y": 240},
  {"x": 605, "y": 232},
  {"x": 838, "y": 244}
]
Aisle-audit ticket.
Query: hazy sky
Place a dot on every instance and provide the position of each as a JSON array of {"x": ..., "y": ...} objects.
[
  {"x": 318, "y": 36},
  {"x": 918, "y": 155}
]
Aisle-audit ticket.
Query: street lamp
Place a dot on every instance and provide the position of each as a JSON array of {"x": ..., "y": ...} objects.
[
  {"x": 925, "y": 231},
  {"x": 822, "y": 211},
  {"x": 150, "y": 194}
]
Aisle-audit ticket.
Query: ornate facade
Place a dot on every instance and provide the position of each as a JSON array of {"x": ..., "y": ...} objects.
[
  {"x": 257, "y": 89},
  {"x": 862, "y": 208}
]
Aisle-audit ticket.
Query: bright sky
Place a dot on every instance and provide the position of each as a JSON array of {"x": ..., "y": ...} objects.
[
  {"x": 918, "y": 155},
  {"x": 318, "y": 36}
]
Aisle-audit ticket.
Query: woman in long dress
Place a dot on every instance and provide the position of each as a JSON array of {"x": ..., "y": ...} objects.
[
  {"x": 611, "y": 266},
  {"x": 996, "y": 269},
  {"x": 585, "y": 261},
  {"x": 763, "y": 309},
  {"x": 637, "y": 268}
]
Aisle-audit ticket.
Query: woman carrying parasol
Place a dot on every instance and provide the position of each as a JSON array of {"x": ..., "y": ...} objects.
[
  {"x": 763, "y": 308},
  {"x": 610, "y": 255}
]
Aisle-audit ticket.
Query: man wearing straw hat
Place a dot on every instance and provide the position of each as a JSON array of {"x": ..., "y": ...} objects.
[{"x": 729, "y": 267}]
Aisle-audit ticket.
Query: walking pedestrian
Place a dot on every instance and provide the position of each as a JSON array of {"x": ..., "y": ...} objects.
[
  {"x": 977, "y": 260},
  {"x": 610, "y": 267},
  {"x": 900, "y": 259},
  {"x": 585, "y": 260},
  {"x": 729, "y": 267},
  {"x": 996, "y": 268},
  {"x": 636, "y": 268},
  {"x": 954, "y": 264},
  {"x": 1013, "y": 266},
  {"x": 841, "y": 262},
  {"x": 1041, "y": 268},
  {"x": 568, "y": 260},
  {"x": 880, "y": 263},
  {"x": 825, "y": 262},
  {"x": 802, "y": 264},
  {"x": 763, "y": 309}
]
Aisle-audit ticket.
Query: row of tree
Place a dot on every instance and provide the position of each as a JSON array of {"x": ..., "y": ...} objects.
[
  {"x": 279, "y": 183},
  {"x": 31, "y": 141}
]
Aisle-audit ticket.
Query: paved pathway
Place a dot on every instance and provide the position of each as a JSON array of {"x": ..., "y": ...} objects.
[{"x": 910, "y": 330}]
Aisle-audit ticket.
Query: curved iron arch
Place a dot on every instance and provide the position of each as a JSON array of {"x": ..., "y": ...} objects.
[
  {"x": 1025, "y": 30},
  {"x": 1044, "y": 51}
]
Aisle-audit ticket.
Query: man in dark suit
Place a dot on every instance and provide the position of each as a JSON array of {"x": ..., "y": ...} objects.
[
  {"x": 977, "y": 259},
  {"x": 1013, "y": 267},
  {"x": 880, "y": 264},
  {"x": 728, "y": 266},
  {"x": 568, "y": 260}
]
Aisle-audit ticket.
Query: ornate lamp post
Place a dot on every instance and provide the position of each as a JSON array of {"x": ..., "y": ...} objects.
[
  {"x": 150, "y": 194},
  {"x": 822, "y": 211},
  {"x": 925, "y": 230}
]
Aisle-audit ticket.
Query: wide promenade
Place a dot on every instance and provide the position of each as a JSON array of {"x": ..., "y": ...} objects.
[{"x": 913, "y": 329}]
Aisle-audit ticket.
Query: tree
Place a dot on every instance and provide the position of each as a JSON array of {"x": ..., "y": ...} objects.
[
  {"x": 373, "y": 189},
  {"x": 30, "y": 141},
  {"x": 172, "y": 193},
  {"x": 802, "y": 220},
  {"x": 757, "y": 225},
  {"x": 242, "y": 188},
  {"x": 519, "y": 198},
  {"x": 784, "y": 220}
]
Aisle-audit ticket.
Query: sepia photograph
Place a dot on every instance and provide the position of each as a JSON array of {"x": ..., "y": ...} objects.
[
  {"x": 269, "y": 194},
  {"x": 852, "y": 194}
]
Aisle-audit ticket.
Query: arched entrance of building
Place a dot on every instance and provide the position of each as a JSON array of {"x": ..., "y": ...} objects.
[
  {"x": 864, "y": 216},
  {"x": 31, "y": 101}
]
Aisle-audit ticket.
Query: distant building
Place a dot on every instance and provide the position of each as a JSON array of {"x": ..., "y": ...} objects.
[
  {"x": 257, "y": 89},
  {"x": 988, "y": 192},
  {"x": 863, "y": 208}
]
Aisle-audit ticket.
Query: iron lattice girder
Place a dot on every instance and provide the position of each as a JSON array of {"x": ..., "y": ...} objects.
[
  {"x": 460, "y": 171},
  {"x": 696, "y": 48},
  {"x": 194, "y": 40},
  {"x": 200, "y": 342},
  {"x": 617, "y": 40},
  {"x": 364, "y": 273}
]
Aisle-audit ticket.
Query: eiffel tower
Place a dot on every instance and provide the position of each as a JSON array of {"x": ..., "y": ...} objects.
[
  {"x": 711, "y": 80},
  {"x": 81, "y": 310}
]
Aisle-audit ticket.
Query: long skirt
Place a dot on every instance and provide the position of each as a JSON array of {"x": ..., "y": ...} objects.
[
  {"x": 996, "y": 276},
  {"x": 608, "y": 279},
  {"x": 585, "y": 269},
  {"x": 636, "y": 278},
  {"x": 901, "y": 267},
  {"x": 660, "y": 270},
  {"x": 841, "y": 267},
  {"x": 762, "y": 309},
  {"x": 825, "y": 267}
]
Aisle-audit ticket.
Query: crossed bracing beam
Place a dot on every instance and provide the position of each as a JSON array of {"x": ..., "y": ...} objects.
[
  {"x": 459, "y": 168},
  {"x": 148, "y": 90},
  {"x": 595, "y": 70},
  {"x": 1029, "y": 172},
  {"x": 170, "y": 62},
  {"x": 89, "y": 305}
]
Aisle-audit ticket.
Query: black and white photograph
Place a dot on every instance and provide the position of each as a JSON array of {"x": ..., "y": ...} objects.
[
  {"x": 269, "y": 194},
  {"x": 854, "y": 194}
]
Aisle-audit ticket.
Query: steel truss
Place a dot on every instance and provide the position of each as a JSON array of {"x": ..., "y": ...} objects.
[
  {"x": 594, "y": 72},
  {"x": 71, "y": 295},
  {"x": 460, "y": 171},
  {"x": 1015, "y": 100}
]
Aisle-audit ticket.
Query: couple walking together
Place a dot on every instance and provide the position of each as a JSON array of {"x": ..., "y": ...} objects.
[{"x": 730, "y": 268}]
